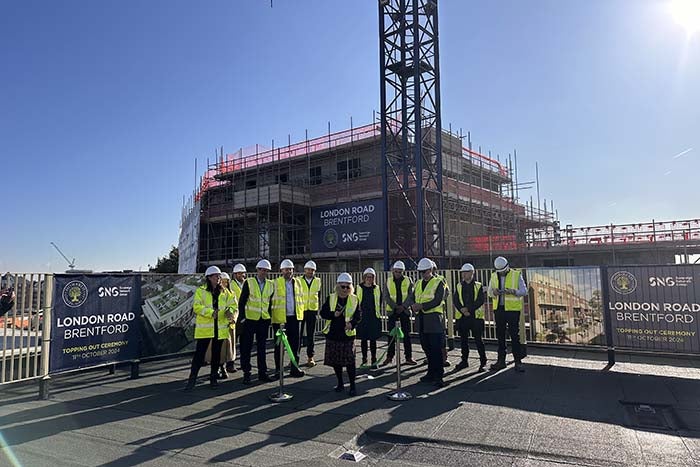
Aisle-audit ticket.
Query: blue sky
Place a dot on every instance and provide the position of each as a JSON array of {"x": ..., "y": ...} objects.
[{"x": 106, "y": 104}]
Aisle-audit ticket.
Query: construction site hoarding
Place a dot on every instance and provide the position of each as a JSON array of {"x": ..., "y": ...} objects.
[
  {"x": 188, "y": 244},
  {"x": 655, "y": 307},
  {"x": 95, "y": 320},
  {"x": 348, "y": 226}
]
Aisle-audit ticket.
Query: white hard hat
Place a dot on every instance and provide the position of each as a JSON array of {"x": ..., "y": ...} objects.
[
  {"x": 238, "y": 268},
  {"x": 399, "y": 265},
  {"x": 286, "y": 264},
  {"x": 466, "y": 267},
  {"x": 425, "y": 264},
  {"x": 500, "y": 263},
  {"x": 224, "y": 275},
  {"x": 434, "y": 264},
  {"x": 264, "y": 264},
  {"x": 310, "y": 265},
  {"x": 369, "y": 271},
  {"x": 212, "y": 270},
  {"x": 344, "y": 277}
]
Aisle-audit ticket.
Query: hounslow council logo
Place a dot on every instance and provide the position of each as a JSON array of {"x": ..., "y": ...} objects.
[
  {"x": 623, "y": 282},
  {"x": 330, "y": 238},
  {"x": 75, "y": 293}
]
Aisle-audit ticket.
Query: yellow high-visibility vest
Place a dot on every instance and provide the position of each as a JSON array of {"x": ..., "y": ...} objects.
[
  {"x": 377, "y": 299},
  {"x": 512, "y": 281},
  {"x": 279, "y": 300},
  {"x": 349, "y": 311},
  {"x": 391, "y": 287},
  {"x": 424, "y": 296},
  {"x": 311, "y": 301},
  {"x": 478, "y": 314},
  {"x": 203, "y": 307},
  {"x": 258, "y": 304}
]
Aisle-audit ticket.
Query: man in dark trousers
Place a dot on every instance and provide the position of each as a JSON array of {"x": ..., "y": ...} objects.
[
  {"x": 254, "y": 312},
  {"x": 396, "y": 292},
  {"x": 427, "y": 298},
  {"x": 507, "y": 289},
  {"x": 469, "y": 303}
]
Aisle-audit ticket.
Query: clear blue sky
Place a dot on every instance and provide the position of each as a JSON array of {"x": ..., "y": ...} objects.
[{"x": 105, "y": 105}]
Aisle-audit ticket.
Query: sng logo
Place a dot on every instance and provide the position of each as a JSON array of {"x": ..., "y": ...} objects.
[
  {"x": 623, "y": 282},
  {"x": 104, "y": 292},
  {"x": 74, "y": 294},
  {"x": 662, "y": 281}
]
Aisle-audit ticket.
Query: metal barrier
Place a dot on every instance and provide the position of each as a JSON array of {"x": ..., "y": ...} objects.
[{"x": 26, "y": 328}]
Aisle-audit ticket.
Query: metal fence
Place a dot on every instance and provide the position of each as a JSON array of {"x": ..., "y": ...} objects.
[
  {"x": 564, "y": 306},
  {"x": 25, "y": 329}
]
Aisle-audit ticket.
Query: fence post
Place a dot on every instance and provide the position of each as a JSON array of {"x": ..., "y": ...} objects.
[
  {"x": 45, "y": 381},
  {"x": 605, "y": 285},
  {"x": 135, "y": 364}
]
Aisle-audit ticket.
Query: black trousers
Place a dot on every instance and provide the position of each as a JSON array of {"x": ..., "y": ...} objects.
[
  {"x": 309, "y": 329},
  {"x": 433, "y": 345},
  {"x": 466, "y": 325},
  {"x": 512, "y": 320},
  {"x": 406, "y": 328},
  {"x": 291, "y": 329},
  {"x": 199, "y": 353},
  {"x": 254, "y": 330},
  {"x": 372, "y": 348}
]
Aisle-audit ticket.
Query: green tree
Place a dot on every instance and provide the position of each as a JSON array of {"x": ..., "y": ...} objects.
[{"x": 168, "y": 264}]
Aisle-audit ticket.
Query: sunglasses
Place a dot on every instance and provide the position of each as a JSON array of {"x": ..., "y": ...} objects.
[{"x": 345, "y": 287}]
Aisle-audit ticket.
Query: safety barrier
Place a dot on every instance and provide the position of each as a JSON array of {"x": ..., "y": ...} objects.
[{"x": 647, "y": 308}]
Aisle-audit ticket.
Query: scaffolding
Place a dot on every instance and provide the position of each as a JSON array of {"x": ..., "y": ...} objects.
[{"x": 257, "y": 202}]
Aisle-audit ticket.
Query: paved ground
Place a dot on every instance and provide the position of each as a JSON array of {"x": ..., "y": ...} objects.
[{"x": 567, "y": 409}]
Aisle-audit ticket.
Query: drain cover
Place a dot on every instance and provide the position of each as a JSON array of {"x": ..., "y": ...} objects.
[{"x": 652, "y": 416}]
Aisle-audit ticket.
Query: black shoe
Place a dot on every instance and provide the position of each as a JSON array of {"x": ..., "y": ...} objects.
[
  {"x": 374, "y": 363},
  {"x": 410, "y": 361},
  {"x": 519, "y": 367},
  {"x": 498, "y": 366},
  {"x": 387, "y": 362},
  {"x": 223, "y": 374},
  {"x": 447, "y": 364},
  {"x": 427, "y": 379},
  {"x": 440, "y": 383},
  {"x": 213, "y": 384},
  {"x": 462, "y": 365},
  {"x": 339, "y": 388},
  {"x": 482, "y": 366},
  {"x": 297, "y": 373},
  {"x": 230, "y": 368},
  {"x": 263, "y": 378},
  {"x": 190, "y": 386},
  {"x": 246, "y": 378},
  {"x": 364, "y": 362},
  {"x": 352, "y": 392}
]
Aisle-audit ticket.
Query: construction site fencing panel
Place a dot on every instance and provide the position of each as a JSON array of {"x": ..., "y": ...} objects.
[{"x": 25, "y": 328}]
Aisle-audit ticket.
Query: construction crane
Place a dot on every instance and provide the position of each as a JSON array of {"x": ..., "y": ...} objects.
[{"x": 71, "y": 264}]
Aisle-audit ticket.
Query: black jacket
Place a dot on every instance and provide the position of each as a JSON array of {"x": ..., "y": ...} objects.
[{"x": 470, "y": 302}]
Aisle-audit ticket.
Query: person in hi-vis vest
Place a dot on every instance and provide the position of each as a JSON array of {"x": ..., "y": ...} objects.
[
  {"x": 396, "y": 292},
  {"x": 213, "y": 309},
  {"x": 254, "y": 308},
  {"x": 341, "y": 314},
  {"x": 468, "y": 300},
  {"x": 370, "y": 328},
  {"x": 427, "y": 298},
  {"x": 288, "y": 309},
  {"x": 507, "y": 289},
  {"x": 228, "y": 347},
  {"x": 311, "y": 285}
]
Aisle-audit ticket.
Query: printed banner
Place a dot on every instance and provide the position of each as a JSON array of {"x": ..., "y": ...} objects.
[
  {"x": 95, "y": 320},
  {"x": 348, "y": 226},
  {"x": 655, "y": 307},
  {"x": 167, "y": 319}
]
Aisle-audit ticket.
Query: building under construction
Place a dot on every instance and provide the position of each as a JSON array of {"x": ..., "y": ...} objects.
[{"x": 322, "y": 198}]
